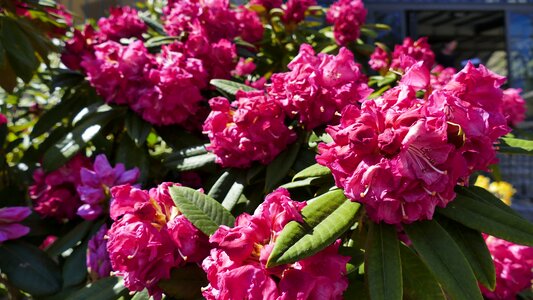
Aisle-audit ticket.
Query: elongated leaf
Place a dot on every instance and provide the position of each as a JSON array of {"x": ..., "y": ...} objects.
[
  {"x": 481, "y": 194},
  {"x": 18, "y": 47},
  {"x": 75, "y": 267},
  {"x": 142, "y": 295},
  {"x": 109, "y": 288},
  {"x": 280, "y": 166},
  {"x": 315, "y": 170},
  {"x": 192, "y": 163},
  {"x": 491, "y": 219},
  {"x": 221, "y": 187},
  {"x": 29, "y": 269},
  {"x": 382, "y": 263},
  {"x": 325, "y": 219},
  {"x": 475, "y": 250},
  {"x": 300, "y": 183},
  {"x": 185, "y": 282},
  {"x": 516, "y": 146},
  {"x": 444, "y": 258},
  {"x": 230, "y": 87},
  {"x": 137, "y": 128},
  {"x": 233, "y": 195},
  {"x": 418, "y": 281},
  {"x": 74, "y": 141},
  {"x": 203, "y": 211},
  {"x": 55, "y": 115},
  {"x": 70, "y": 239}
]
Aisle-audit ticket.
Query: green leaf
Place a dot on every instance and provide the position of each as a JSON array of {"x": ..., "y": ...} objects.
[
  {"x": 142, "y": 295},
  {"x": 325, "y": 219},
  {"x": 29, "y": 269},
  {"x": 515, "y": 146},
  {"x": 75, "y": 266},
  {"x": 481, "y": 194},
  {"x": 185, "y": 282},
  {"x": 223, "y": 184},
  {"x": 190, "y": 158},
  {"x": 203, "y": 211},
  {"x": 473, "y": 246},
  {"x": 489, "y": 218},
  {"x": 69, "y": 240},
  {"x": 230, "y": 87},
  {"x": 75, "y": 140},
  {"x": 109, "y": 288},
  {"x": 315, "y": 170},
  {"x": 382, "y": 262},
  {"x": 444, "y": 258},
  {"x": 155, "y": 25},
  {"x": 280, "y": 166},
  {"x": 418, "y": 281},
  {"x": 301, "y": 183},
  {"x": 133, "y": 156},
  {"x": 233, "y": 195},
  {"x": 18, "y": 49},
  {"x": 137, "y": 128}
]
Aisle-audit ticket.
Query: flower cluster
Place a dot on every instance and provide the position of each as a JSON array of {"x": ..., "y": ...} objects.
[
  {"x": 236, "y": 267},
  {"x": 404, "y": 55},
  {"x": 318, "y": 86},
  {"x": 513, "y": 265},
  {"x": 95, "y": 184},
  {"x": 402, "y": 156},
  {"x": 440, "y": 76},
  {"x": 98, "y": 264},
  {"x": 10, "y": 217},
  {"x": 123, "y": 22},
  {"x": 149, "y": 237},
  {"x": 252, "y": 128},
  {"x": 54, "y": 194},
  {"x": 347, "y": 17},
  {"x": 514, "y": 107}
]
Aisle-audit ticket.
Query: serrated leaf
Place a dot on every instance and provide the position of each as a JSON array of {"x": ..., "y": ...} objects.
[
  {"x": 75, "y": 140},
  {"x": 383, "y": 266},
  {"x": 70, "y": 239},
  {"x": 315, "y": 170},
  {"x": 280, "y": 166},
  {"x": 515, "y": 146},
  {"x": 324, "y": 220},
  {"x": 444, "y": 258},
  {"x": 230, "y": 87},
  {"x": 185, "y": 282},
  {"x": 109, "y": 288},
  {"x": 203, "y": 211},
  {"x": 473, "y": 246},
  {"x": 137, "y": 128},
  {"x": 418, "y": 281},
  {"x": 29, "y": 269},
  {"x": 489, "y": 218}
]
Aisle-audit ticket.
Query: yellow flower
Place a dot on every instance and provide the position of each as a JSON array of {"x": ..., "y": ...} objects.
[
  {"x": 501, "y": 189},
  {"x": 482, "y": 181}
]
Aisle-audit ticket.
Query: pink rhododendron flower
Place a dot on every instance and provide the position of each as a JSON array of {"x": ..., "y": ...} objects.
[
  {"x": 98, "y": 264},
  {"x": 294, "y": 10},
  {"x": 123, "y": 22},
  {"x": 402, "y": 156},
  {"x": 9, "y": 219},
  {"x": 80, "y": 47},
  {"x": 47, "y": 242},
  {"x": 514, "y": 264},
  {"x": 54, "y": 194},
  {"x": 149, "y": 237},
  {"x": 268, "y": 4},
  {"x": 250, "y": 26},
  {"x": 244, "y": 67},
  {"x": 347, "y": 17},
  {"x": 95, "y": 185},
  {"x": 252, "y": 128},
  {"x": 3, "y": 119},
  {"x": 379, "y": 60},
  {"x": 236, "y": 267},
  {"x": 514, "y": 107},
  {"x": 440, "y": 76},
  {"x": 317, "y": 86},
  {"x": 411, "y": 52}
]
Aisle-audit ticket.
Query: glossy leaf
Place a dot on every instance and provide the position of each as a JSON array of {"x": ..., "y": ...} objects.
[
  {"x": 280, "y": 166},
  {"x": 19, "y": 50},
  {"x": 185, "y": 282},
  {"x": 233, "y": 195},
  {"x": 444, "y": 258},
  {"x": 383, "y": 266},
  {"x": 137, "y": 128},
  {"x": 70, "y": 239},
  {"x": 75, "y": 266},
  {"x": 515, "y": 146},
  {"x": 203, "y": 211},
  {"x": 325, "y": 219},
  {"x": 190, "y": 158},
  {"x": 418, "y": 281},
  {"x": 473, "y": 246},
  {"x": 29, "y": 269},
  {"x": 230, "y": 87},
  {"x": 315, "y": 170},
  {"x": 223, "y": 184},
  {"x": 482, "y": 216},
  {"x": 109, "y": 288}
]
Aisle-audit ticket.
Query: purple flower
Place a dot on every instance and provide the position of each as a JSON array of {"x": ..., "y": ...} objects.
[
  {"x": 95, "y": 185},
  {"x": 98, "y": 262},
  {"x": 9, "y": 218}
]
